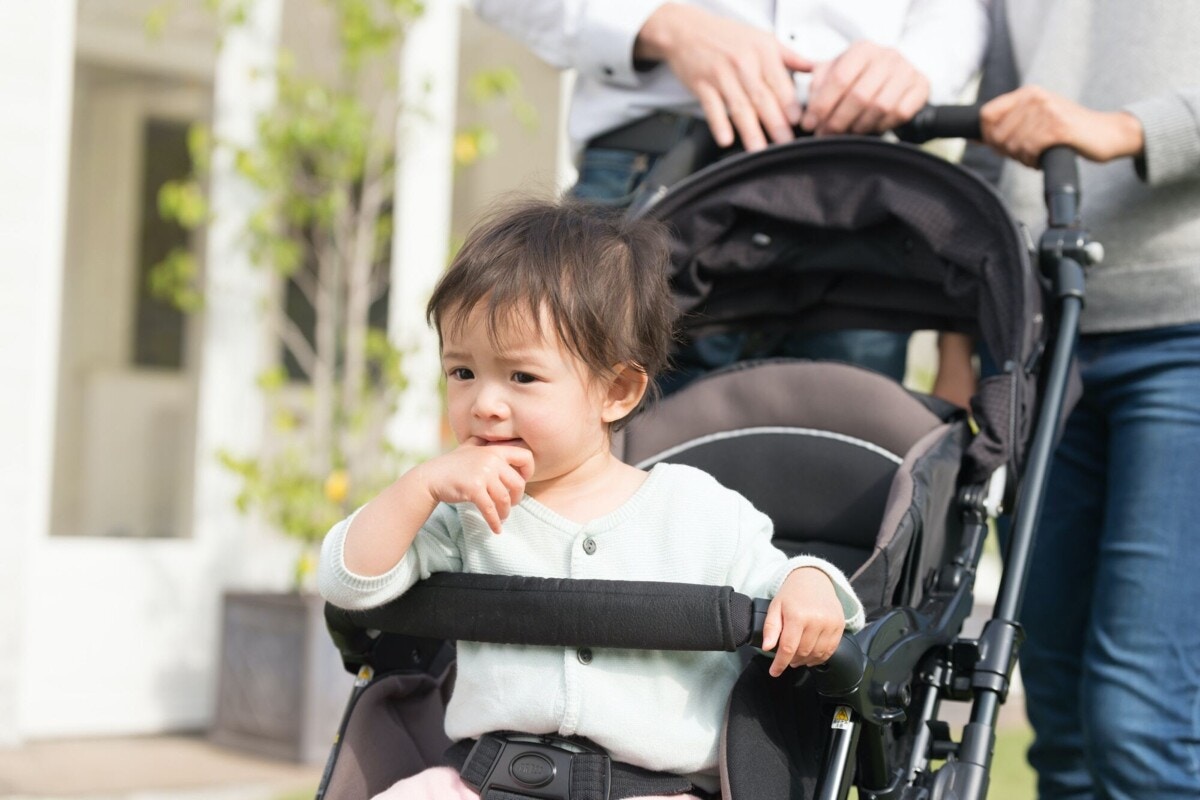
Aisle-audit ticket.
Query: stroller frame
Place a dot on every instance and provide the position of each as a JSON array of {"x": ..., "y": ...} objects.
[{"x": 870, "y": 679}]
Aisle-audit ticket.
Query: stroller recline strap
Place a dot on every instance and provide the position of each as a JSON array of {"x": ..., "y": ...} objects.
[{"x": 510, "y": 766}]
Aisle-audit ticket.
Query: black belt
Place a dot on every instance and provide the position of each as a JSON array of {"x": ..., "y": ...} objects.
[
  {"x": 513, "y": 766},
  {"x": 653, "y": 135}
]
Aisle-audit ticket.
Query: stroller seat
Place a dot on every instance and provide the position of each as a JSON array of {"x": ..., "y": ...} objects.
[{"x": 846, "y": 462}]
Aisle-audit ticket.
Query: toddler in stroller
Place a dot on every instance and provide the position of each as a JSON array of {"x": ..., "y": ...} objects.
[
  {"x": 892, "y": 487},
  {"x": 553, "y": 319}
]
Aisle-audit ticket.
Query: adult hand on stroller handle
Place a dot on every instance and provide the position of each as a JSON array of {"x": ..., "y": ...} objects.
[{"x": 1059, "y": 163}]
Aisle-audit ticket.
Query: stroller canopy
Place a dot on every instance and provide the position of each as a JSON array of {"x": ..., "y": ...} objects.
[{"x": 852, "y": 232}]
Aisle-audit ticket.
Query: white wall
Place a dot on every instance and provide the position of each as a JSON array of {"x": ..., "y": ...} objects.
[{"x": 36, "y": 56}]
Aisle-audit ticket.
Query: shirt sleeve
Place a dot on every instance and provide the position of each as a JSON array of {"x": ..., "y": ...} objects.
[
  {"x": 1171, "y": 125},
  {"x": 434, "y": 549},
  {"x": 945, "y": 40},
  {"x": 596, "y": 37},
  {"x": 761, "y": 568}
]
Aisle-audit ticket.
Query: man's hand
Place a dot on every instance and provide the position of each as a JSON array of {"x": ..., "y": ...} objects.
[
  {"x": 867, "y": 89},
  {"x": 490, "y": 476},
  {"x": 804, "y": 621},
  {"x": 741, "y": 75},
  {"x": 1024, "y": 123}
]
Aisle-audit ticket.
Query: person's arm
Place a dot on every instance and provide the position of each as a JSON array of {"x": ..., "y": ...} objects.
[
  {"x": 491, "y": 477},
  {"x": 1024, "y": 123},
  {"x": 812, "y": 602},
  {"x": 871, "y": 87},
  {"x": 955, "y": 381}
]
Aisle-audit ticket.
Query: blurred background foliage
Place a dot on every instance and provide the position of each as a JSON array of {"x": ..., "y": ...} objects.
[{"x": 322, "y": 165}]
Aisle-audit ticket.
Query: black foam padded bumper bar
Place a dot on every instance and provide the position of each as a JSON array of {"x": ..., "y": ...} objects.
[{"x": 559, "y": 612}]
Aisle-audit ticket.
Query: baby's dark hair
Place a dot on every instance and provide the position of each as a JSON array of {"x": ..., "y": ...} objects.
[{"x": 601, "y": 277}]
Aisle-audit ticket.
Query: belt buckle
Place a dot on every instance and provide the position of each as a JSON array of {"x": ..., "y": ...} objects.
[{"x": 538, "y": 767}]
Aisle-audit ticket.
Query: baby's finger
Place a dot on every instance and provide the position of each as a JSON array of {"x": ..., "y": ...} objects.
[
  {"x": 806, "y": 647},
  {"x": 788, "y": 640},
  {"x": 514, "y": 484},
  {"x": 487, "y": 507},
  {"x": 501, "y": 499},
  {"x": 827, "y": 646},
  {"x": 771, "y": 626},
  {"x": 521, "y": 460}
]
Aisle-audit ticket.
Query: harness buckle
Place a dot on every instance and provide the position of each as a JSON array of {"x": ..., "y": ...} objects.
[{"x": 538, "y": 767}]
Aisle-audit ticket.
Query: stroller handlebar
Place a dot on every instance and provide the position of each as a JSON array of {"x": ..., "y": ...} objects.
[
  {"x": 1059, "y": 164},
  {"x": 941, "y": 122}
]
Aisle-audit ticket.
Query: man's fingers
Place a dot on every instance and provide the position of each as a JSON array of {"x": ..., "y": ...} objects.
[
  {"x": 795, "y": 62},
  {"x": 830, "y": 85},
  {"x": 713, "y": 107},
  {"x": 779, "y": 78},
  {"x": 741, "y": 112}
]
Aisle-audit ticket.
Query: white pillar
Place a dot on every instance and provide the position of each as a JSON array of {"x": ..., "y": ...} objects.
[
  {"x": 424, "y": 183},
  {"x": 37, "y": 53},
  {"x": 234, "y": 341}
]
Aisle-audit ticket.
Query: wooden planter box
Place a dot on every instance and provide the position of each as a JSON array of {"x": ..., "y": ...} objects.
[{"x": 281, "y": 688}]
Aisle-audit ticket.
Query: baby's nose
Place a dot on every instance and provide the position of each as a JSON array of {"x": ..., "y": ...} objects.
[{"x": 490, "y": 402}]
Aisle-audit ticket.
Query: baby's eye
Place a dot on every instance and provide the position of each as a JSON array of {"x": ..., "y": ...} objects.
[
  {"x": 523, "y": 377},
  {"x": 461, "y": 374}
]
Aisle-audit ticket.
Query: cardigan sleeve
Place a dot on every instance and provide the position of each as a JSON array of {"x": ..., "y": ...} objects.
[
  {"x": 760, "y": 567},
  {"x": 435, "y": 549}
]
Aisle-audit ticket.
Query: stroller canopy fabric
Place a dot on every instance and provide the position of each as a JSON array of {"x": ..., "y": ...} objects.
[{"x": 851, "y": 232}]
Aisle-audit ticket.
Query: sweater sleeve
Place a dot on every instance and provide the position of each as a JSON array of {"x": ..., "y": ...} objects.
[
  {"x": 761, "y": 568},
  {"x": 1171, "y": 124},
  {"x": 435, "y": 549}
]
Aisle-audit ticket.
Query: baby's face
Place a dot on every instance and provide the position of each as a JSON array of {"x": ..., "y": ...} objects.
[{"x": 525, "y": 390}]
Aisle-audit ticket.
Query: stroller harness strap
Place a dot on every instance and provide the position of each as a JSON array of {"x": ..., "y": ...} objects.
[{"x": 516, "y": 766}]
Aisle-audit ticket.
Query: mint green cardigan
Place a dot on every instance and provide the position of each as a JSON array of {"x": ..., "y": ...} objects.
[{"x": 663, "y": 711}]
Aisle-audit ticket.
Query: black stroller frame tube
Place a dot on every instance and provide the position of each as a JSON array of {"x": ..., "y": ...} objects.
[
  {"x": 1063, "y": 254},
  {"x": 1008, "y": 601}
]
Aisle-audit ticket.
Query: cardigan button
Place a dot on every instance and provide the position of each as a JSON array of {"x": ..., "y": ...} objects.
[
  {"x": 589, "y": 545},
  {"x": 585, "y": 655}
]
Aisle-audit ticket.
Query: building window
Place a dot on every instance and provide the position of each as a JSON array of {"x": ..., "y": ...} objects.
[{"x": 159, "y": 326}]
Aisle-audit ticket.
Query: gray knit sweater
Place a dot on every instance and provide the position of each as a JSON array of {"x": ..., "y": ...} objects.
[{"x": 1142, "y": 57}]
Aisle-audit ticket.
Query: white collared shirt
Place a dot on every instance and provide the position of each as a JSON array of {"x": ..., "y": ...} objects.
[{"x": 944, "y": 39}]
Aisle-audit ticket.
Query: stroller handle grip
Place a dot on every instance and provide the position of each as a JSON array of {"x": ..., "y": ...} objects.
[{"x": 941, "y": 122}]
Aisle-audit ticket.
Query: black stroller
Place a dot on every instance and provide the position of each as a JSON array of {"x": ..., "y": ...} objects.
[{"x": 893, "y": 487}]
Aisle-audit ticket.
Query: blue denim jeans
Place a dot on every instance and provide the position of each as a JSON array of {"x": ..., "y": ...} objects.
[
  {"x": 611, "y": 177},
  {"x": 1112, "y": 663}
]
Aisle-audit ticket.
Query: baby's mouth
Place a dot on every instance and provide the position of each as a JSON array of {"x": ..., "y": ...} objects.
[{"x": 506, "y": 442}]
